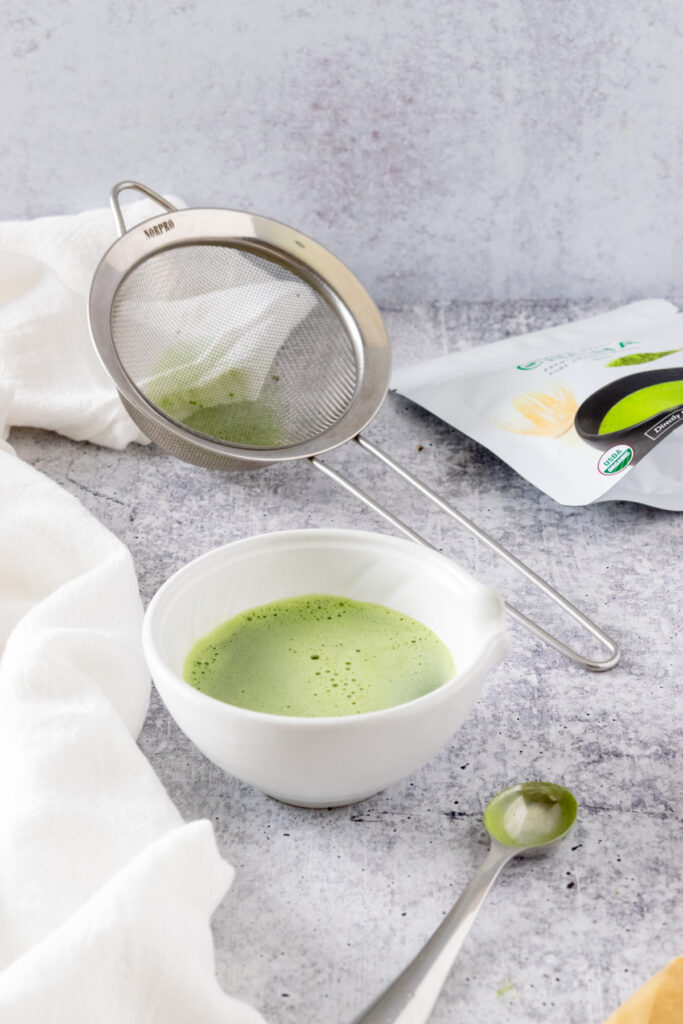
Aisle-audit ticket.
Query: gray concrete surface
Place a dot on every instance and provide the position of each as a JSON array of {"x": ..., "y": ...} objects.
[
  {"x": 327, "y": 906},
  {"x": 478, "y": 149}
]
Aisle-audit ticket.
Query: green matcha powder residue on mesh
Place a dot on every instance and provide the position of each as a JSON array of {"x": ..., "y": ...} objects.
[{"x": 221, "y": 407}]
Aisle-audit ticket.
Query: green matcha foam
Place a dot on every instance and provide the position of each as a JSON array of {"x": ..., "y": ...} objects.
[{"x": 319, "y": 656}]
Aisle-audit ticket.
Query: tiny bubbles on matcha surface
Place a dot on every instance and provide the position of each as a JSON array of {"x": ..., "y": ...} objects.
[{"x": 319, "y": 656}]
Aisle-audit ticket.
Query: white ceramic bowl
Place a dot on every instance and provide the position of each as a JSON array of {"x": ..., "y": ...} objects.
[{"x": 323, "y": 762}]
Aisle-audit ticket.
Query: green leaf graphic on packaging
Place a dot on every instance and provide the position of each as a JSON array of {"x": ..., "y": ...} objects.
[
  {"x": 641, "y": 357},
  {"x": 594, "y": 352}
]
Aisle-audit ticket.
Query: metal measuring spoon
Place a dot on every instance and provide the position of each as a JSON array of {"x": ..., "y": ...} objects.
[{"x": 529, "y": 818}]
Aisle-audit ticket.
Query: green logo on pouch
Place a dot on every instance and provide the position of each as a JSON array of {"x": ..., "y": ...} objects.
[{"x": 615, "y": 459}]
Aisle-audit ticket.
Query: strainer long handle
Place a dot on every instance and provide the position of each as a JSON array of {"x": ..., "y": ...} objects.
[{"x": 462, "y": 520}]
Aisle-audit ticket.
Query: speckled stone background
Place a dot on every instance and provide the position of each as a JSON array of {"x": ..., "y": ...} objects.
[
  {"x": 327, "y": 906},
  {"x": 472, "y": 149},
  {"x": 448, "y": 152}
]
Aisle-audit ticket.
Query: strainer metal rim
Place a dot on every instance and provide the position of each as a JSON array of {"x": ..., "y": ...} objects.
[{"x": 281, "y": 244}]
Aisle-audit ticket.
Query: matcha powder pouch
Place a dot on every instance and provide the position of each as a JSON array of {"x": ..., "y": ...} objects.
[{"x": 586, "y": 412}]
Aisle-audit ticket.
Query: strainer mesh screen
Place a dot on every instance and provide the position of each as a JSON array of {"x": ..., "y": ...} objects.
[{"x": 234, "y": 346}]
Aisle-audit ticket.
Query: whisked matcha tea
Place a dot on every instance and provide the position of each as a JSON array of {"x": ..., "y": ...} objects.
[{"x": 319, "y": 656}]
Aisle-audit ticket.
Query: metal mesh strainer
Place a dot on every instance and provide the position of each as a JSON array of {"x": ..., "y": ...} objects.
[
  {"x": 234, "y": 346},
  {"x": 236, "y": 342}
]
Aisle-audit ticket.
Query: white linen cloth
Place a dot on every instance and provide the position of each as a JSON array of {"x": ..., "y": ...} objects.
[{"x": 105, "y": 894}]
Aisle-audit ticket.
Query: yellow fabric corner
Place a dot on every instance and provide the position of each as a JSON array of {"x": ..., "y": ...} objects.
[{"x": 659, "y": 1001}]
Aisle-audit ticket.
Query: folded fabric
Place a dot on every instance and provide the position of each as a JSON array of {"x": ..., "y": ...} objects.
[
  {"x": 105, "y": 894},
  {"x": 659, "y": 1001},
  {"x": 46, "y": 354}
]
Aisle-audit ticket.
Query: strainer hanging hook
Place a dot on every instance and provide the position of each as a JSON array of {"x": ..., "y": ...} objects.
[
  {"x": 236, "y": 342},
  {"x": 150, "y": 193}
]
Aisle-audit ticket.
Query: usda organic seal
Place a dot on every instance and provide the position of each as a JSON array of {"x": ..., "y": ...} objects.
[{"x": 615, "y": 459}]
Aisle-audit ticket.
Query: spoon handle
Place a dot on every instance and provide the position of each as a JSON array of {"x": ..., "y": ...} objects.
[{"x": 411, "y": 997}]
